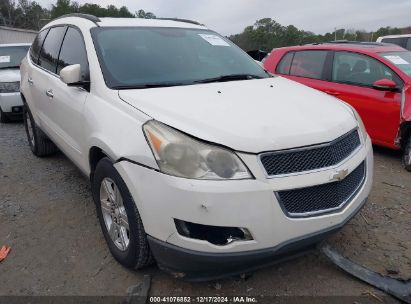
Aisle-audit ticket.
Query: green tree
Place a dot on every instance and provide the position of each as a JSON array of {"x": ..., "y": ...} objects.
[{"x": 145, "y": 15}]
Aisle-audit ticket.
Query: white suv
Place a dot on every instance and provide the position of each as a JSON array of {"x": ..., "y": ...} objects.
[
  {"x": 197, "y": 157},
  {"x": 11, "y": 105}
]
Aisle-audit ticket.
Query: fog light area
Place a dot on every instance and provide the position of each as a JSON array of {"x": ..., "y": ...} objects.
[{"x": 213, "y": 234}]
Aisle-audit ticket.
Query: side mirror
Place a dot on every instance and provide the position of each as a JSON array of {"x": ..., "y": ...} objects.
[
  {"x": 385, "y": 85},
  {"x": 71, "y": 74}
]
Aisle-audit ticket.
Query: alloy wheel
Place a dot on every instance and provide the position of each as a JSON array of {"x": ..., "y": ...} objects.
[{"x": 114, "y": 214}]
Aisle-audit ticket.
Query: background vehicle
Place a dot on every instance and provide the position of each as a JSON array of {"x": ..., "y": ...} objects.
[
  {"x": 190, "y": 160},
  {"x": 374, "y": 78},
  {"x": 11, "y": 105},
  {"x": 401, "y": 40}
]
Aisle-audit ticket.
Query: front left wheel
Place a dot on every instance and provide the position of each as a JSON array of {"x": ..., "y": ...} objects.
[{"x": 119, "y": 218}]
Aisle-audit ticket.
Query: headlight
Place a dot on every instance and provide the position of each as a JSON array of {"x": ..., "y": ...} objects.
[
  {"x": 180, "y": 155},
  {"x": 9, "y": 87}
]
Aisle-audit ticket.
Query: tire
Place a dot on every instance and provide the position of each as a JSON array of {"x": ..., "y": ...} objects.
[
  {"x": 39, "y": 143},
  {"x": 3, "y": 117},
  {"x": 406, "y": 156},
  {"x": 136, "y": 254}
]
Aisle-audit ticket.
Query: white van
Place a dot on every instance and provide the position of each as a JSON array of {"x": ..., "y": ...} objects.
[{"x": 401, "y": 40}]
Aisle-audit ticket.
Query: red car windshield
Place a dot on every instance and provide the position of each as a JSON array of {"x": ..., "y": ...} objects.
[{"x": 400, "y": 59}]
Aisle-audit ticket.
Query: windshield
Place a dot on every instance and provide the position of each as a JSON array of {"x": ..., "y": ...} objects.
[
  {"x": 11, "y": 56},
  {"x": 138, "y": 57},
  {"x": 401, "y": 59}
]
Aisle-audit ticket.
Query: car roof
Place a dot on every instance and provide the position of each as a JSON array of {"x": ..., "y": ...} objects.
[
  {"x": 360, "y": 47},
  {"x": 15, "y": 44}
]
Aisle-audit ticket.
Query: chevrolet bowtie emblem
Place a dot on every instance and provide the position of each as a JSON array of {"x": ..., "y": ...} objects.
[{"x": 339, "y": 175}]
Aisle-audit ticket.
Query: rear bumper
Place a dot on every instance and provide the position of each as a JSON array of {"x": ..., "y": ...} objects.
[{"x": 198, "y": 266}]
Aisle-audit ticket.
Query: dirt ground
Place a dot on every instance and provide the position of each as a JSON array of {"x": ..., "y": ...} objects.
[{"x": 48, "y": 218}]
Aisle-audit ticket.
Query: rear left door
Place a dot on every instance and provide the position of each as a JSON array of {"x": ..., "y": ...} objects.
[
  {"x": 309, "y": 67},
  {"x": 43, "y": 74}
]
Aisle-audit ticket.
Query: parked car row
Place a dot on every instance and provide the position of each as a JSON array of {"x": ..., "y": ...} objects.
[{"x": 374, "y": 78}]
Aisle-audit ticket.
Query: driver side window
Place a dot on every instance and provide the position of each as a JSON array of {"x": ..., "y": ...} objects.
[
  {"x": 361, "y": 70},
  {"x": 73, "y": 51}
]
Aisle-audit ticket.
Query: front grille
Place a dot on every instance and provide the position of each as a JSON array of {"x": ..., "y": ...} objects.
[
  {"x": 311, "y": 158},
  {"x": 322, "y": 198}
]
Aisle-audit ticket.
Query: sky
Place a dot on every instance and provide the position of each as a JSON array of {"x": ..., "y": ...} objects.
[{"x": 232, "y": 16}]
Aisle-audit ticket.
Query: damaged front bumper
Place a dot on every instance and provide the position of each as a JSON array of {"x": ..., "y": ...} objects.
[{"x": 194, "y": 266}]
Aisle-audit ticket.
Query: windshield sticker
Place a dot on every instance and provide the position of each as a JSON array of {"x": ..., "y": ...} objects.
[
  {"x": 4, "y": 59},
  {"x": 214, "y": 40},
  {"x": 396, "y": 60}
]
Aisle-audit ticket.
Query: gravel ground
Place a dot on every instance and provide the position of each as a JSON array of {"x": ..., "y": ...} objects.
[{"x": 48, "y": 218}]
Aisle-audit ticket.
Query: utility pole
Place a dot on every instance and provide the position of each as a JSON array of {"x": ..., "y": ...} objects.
[{"x": 335, "y": 34}]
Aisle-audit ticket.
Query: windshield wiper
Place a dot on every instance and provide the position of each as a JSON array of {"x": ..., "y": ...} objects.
[
  {"x": 232, "y": 77},
  {"x": 149, "y": 86},
  {"x": 9, "y": 67}
]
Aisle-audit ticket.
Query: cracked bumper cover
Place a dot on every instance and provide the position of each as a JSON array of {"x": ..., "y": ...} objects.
[{"x": 198, "y": 266}]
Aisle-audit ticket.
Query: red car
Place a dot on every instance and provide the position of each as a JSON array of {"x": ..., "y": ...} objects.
[{"x": 374, "y": 78}]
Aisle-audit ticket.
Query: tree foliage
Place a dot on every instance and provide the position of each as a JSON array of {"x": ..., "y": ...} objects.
[
  {"x": 31, "y": 15},
  {"x": 267, "y": 34}
]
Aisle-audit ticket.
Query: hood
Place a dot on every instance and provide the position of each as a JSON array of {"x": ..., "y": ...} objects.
[
  {"x": 249, "y": 116},
  {"x": 10, "y": 75}
]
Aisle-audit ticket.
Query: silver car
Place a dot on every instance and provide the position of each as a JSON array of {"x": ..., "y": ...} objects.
[{"x": 11, "y": 105}]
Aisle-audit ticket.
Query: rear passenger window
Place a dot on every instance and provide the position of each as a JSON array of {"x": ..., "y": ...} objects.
[
  {"x": 73, "y": 51},
  {"x": 36, "y": 46},
  {"x": 51, "y": 48},
  {"x": 285, "y": 64},
  {"x": 309, "y": 64}
]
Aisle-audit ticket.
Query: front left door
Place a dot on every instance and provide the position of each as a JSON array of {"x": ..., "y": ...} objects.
[
  {"x": 353, "y": 77},
  {"x": 66, "y": 108}
]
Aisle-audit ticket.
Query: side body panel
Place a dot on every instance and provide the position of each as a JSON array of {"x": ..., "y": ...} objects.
[{"x": 380, "y": 110}]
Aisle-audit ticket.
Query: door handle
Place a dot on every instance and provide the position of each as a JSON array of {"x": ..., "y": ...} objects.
[
  {"x": 49, "y": 93},
  {"x": 333, "y": 93},
  {"x": 30, "y": 81}
]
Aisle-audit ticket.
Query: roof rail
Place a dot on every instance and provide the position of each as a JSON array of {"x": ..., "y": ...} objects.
[
  {"x": 355, "y": 42},
  {"x": 92, "y": 18},
  {"x": 181, "y": 20}
]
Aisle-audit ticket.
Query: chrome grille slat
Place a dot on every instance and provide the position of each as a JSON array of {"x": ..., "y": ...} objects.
[
  {"x": 323, "y": 198},
  {"x": 311, "y": 158}
]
